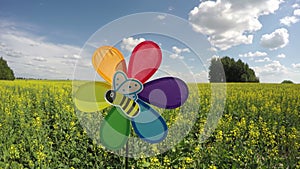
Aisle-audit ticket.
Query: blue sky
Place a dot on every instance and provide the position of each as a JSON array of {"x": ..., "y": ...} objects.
[{"x": 45, "y": 39}]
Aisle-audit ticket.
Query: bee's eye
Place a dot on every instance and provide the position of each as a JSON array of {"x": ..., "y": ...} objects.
[{"x": 110, "y": 96}]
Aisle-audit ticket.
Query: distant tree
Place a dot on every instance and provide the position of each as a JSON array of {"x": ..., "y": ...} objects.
[
  {"x": 287, "y": 81},
  {"x": 235, "y": 71},
  {"x": 216, "y": 73},
  {"x": 6, "y": 72}
]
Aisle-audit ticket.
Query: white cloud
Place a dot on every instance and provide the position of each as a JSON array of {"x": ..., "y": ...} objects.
[
  {"x": 212, "y": 57},
  {"x": 271, "y": 68},
  {"x": 297, "y": 66},
  {"x": 75, "y": 57},
  {"x": 230, "y": 23},
  {"x": 281, "y": 55},
  {"x": 171, "y": 8},
  {"x": 266, "y": 59},
  {"x": 20, "y": 47},
  {"x": 289, "y": 20},
  {"x": 199, "y": 76},
  {"x": 40, "y": 59},
  {"x": 275, "y": 72},
  {"x": 129, "y": 43},
  {"x": 178, "y": 51},
  {"x": 297, "y": 12},
  {"x": 277, "y": 39},
  {"x": 2, "y": 45},
  {"x": 175, "y": 56},
  {"x": 12, "y": 53},
  {"x": 255, "y": 54},
  {"x": 295, "y": 5},
  {"x": 213, "y": 49},
  {"x": 275, "y": 66},
  {"x": 161, "y": 17}
]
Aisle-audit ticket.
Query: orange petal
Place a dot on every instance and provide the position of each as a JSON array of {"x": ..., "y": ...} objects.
[{"x": 107, "y": 60}]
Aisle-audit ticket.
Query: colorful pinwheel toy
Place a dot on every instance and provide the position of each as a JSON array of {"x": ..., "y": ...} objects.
[{"x": 129, "y": 95}]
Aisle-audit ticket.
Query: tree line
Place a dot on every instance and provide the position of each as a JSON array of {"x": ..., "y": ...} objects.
[
  {"x": 235, "y": 71},
  {"x": 6, "y": 73}
]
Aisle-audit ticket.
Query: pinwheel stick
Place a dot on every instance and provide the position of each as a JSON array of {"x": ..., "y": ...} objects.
[{"x": 126, "y": 158}]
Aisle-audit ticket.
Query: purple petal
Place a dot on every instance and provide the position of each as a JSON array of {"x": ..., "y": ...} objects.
[{"x": 166, "y": 92}]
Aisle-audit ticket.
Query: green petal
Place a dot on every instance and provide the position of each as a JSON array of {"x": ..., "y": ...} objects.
[
  {"x": 90, "y": 96},
  {"x": 114, "y": 129}
]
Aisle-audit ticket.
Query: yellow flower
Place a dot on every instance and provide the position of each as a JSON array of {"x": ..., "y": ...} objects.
[
  {"x": 212, "y": 167},
  {"x": 188, "y": 160},
  {"x": 155, "y": 160},
  {"x": 14, "y": 152},
  {"x": 37, "y": 122},
  {"x": 72, "y": 123},
  {"x": 250, "y": 151},
  {"x": 166, "y": 160},
  {"x": 242, "y": 123},
  {"x": 292, "y": 136},
  {"x": 219, "y": 136},
  {"x": 40, "y": 156},
  {"x": 41, "y": 147},
  {"x": 197, "y": 148},
  {"x": 31, "y": 164},
  {"x": 55, "y": 126}
]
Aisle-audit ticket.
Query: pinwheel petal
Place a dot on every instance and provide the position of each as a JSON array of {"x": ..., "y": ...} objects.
[
  {"x": 144, "y": 61},
  {"x": 166, "y": 92},
  {"x": 149, "y": 125},
  {"x": 90, "y": 96},
  {"x": 114, "y": 130},
  {"x": 107, "y": 60}
]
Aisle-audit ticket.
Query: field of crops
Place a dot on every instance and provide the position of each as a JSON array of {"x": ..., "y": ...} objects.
[{"x": 259, "y": 128}]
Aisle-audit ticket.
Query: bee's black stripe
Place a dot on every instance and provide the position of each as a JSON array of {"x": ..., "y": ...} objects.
[
  {"x": 136, "y": 112},
  {"x": 126, "y": 104},
  {"x": 131, "y": 108},
  {"x": 123, "y": 99}
]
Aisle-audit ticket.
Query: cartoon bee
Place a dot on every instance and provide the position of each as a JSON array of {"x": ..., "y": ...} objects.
[{"x": 124, "y": 94}]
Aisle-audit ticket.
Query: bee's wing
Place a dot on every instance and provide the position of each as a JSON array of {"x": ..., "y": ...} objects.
[
  {"x": 119, "y": 78},
  {"x": 126, "y": 86},
  {"x": 89, "y": 97},
  {"x": 166, "y": 92},
  {"x": 114, "y": 129},
  {"x": 149, "y": 125},
  {"x": 144, "y": 61},
  {"x": 107, "y": 60},
  {"x": 130, "y": 87}
]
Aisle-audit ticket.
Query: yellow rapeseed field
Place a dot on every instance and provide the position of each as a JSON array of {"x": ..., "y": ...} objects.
[{"x": 259, "y": 128}]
